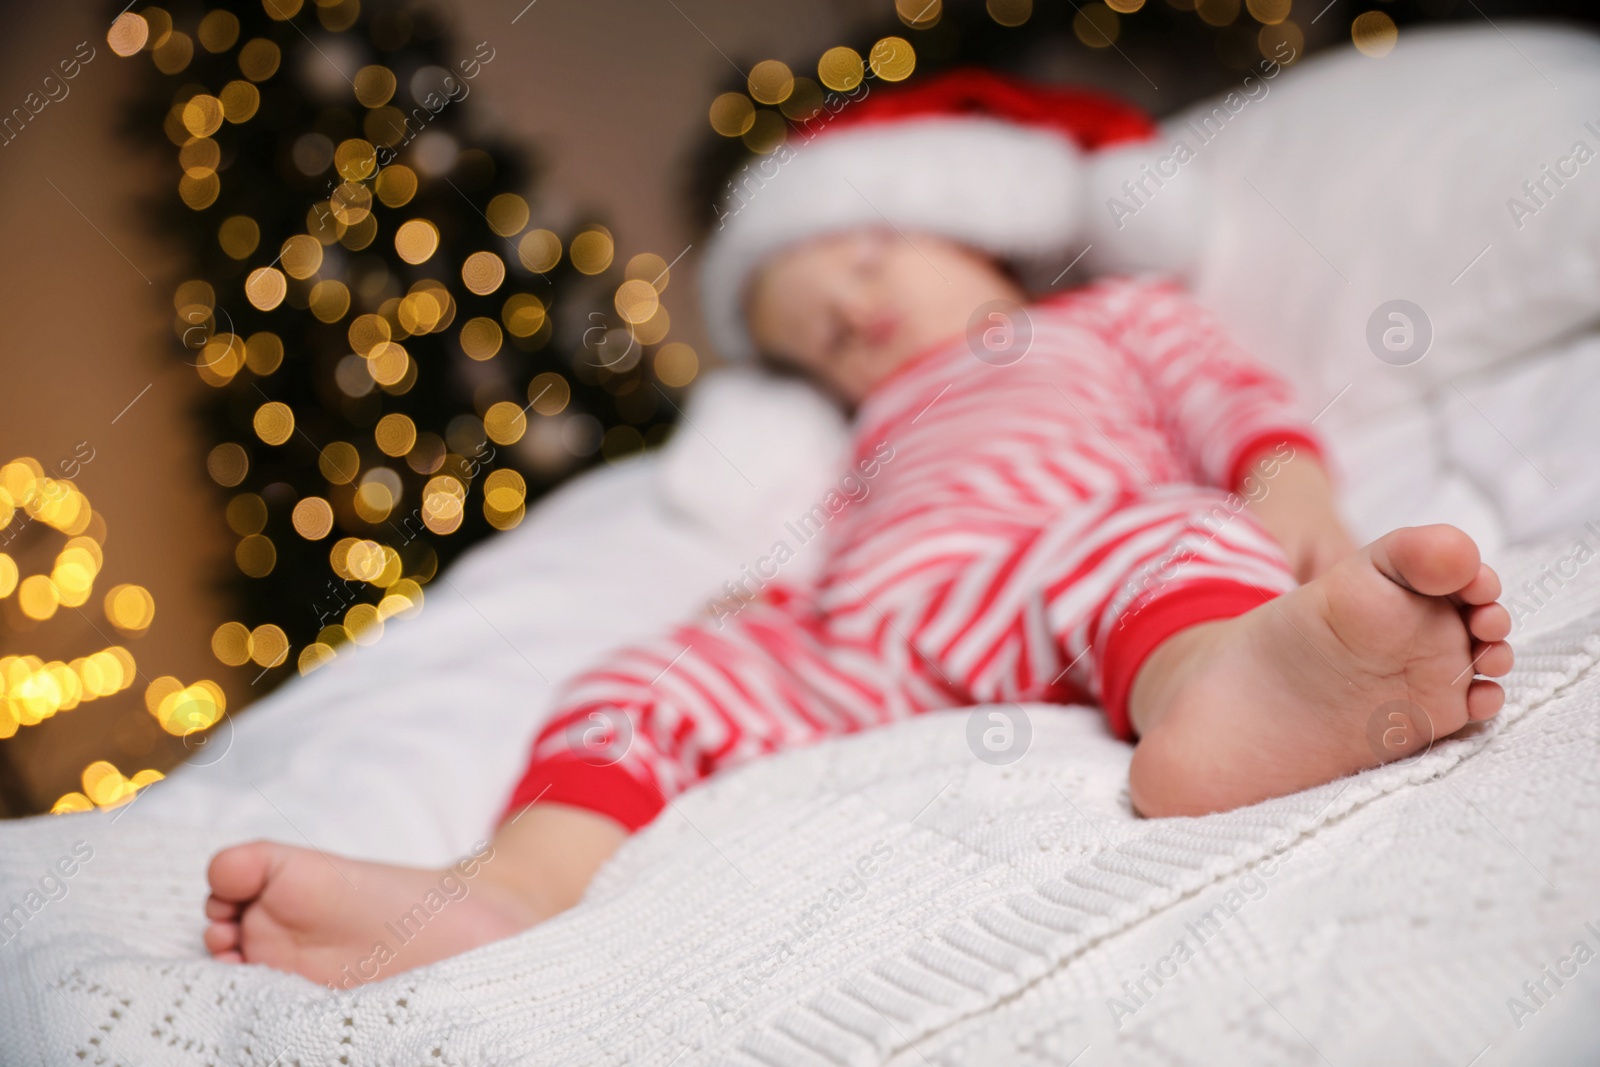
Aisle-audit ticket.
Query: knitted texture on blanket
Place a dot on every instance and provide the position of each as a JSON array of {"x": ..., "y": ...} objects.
[{"x": 888, "y": 898}]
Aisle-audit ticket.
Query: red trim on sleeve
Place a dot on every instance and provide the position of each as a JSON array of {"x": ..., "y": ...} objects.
[
  {"x": 1143, "y": 627},
  {"x": 1252, "y": 447},
  {"x": 606, "y": 789}
]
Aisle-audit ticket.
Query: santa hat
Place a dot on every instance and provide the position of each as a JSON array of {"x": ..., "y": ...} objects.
[{"x": 1019, "y": 170}]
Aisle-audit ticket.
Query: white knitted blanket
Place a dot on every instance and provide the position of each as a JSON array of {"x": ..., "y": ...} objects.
[{"x": 887, "y": 898}]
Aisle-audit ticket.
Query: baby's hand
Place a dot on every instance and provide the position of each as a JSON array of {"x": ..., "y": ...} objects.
[{"x": 1294, "y": 500}]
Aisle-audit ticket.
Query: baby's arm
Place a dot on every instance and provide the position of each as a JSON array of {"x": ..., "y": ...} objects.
[{"x": 1236, "y": 420}]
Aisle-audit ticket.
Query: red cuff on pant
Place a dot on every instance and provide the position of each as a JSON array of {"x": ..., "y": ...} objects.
[
  {"x": 606, "y": 789},
  {"x": 1144, "y": 626},
  {"x": 1240, "y": 466}
]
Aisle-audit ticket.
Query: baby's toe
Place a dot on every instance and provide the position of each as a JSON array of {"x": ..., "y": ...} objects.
[
  {"x": 1489, "y": 622},
  {"x": 240, "y": 873},
  {"x": 1483, "y": 589},
  {"x": 1493, "y": 659},
  {"x": 1484, "y": 699},
  {"x": 221, "y": 937},
  {"x": 218, "y": 910}
]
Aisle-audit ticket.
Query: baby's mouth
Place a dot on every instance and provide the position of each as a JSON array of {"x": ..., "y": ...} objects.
[{"x": 881, "y": 328}]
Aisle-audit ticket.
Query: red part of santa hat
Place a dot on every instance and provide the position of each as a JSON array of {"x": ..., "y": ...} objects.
[
  {"x": 992, "y": 161},
  {"x": 1088, "y": 117}
]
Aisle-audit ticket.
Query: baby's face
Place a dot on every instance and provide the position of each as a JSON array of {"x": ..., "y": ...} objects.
[{"x": 849, "y": 308}]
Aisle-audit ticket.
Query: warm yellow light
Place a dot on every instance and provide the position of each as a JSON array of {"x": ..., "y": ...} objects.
[
  {"x": 1097, "y": 26},
  {"x": 274, "y": 422},
  {"x": 505, "y": 423},
  {"x": 539, "y": 250},
  {"x": 364, "y": 624},
  {"x": 269, "y": 646},
  {"x": 340, "y": 463},
  {"x": 301, "y": 256},
  {"x": 1217, "y": 12},
  {"x": 523, "y": 315},
  {"x": 313, "y": 518},
  {"x": 770, "y": 82},
  {"x": 508, "y": 214},
  {"x": 265, "y": 288},
  {"x": 549, "y": 393},
  {"x": 202, "y": 115},
  {"x": 374, "y": 85},
  {"x": 240, "y": 100},
  {"x": 37, "y": 597},
  {"x": 1010, "y": 12},
  {"x": 313, "y": 656},
  {"x": 130, "y": 608},
  {"x": 840, "y": 69},
  {"x": 482, "y": 272},
  {"x": 396, "y": 185},
  {"x": 256, "y": 555},
  {"x": 1270, "y": 12},
  {"x": 636, "y": 301},
  {"x": 128, "y": 34},
  {"x": 732, "y": 114},
  {"x": 481, "y": 338},
  {"x": 416, "y": 240},
  {"x": 230, "y": 644},
  {"x": 219, "y": 30},
  {"x": 355, "y": 159},
  {"x": 592, "y": 251},
  {"x": 676, "y": 364},
  {"x": 893, "y": 59},
  {"x": 1374, "y": 34}
]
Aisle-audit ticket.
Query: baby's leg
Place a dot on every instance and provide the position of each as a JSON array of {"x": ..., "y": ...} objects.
[
  {"x": 343, "y": 922},
  {"x": 638, "y": 729},
  {"x": 1372, "y": 661}
]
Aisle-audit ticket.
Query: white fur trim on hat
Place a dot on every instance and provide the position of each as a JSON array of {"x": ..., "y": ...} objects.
[
  {"x": 1145, "y": 211},
  {"x": 1016, "y": 192}
]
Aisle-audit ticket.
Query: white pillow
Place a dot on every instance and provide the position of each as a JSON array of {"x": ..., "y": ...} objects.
[
  {"x": 1353, "y": 181},
  {"x": 753, "y": 450}
]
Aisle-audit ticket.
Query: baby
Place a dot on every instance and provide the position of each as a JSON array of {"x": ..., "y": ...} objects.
[{"x": 1055, "y": 527}]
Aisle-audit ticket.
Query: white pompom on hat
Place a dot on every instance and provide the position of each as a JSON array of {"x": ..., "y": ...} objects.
[{"x": 1009, "y": 167}]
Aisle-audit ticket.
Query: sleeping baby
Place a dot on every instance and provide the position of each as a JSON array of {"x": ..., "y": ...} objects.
[{"x": 1106, "y": 502}]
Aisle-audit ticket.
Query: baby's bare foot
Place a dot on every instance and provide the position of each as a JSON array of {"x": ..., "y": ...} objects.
[
  {"x": 344, "y": 922},
  {"x": 1282, "y": 698}
]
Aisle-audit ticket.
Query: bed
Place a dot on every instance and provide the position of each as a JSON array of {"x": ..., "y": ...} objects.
[{"x": 888, "y": 898}]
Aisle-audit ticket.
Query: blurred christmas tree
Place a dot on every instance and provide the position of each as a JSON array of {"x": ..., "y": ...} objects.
[{"x": 404, "y": 350}]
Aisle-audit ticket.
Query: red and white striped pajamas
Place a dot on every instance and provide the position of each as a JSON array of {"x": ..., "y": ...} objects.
[{"x": 1028, "y": 532}]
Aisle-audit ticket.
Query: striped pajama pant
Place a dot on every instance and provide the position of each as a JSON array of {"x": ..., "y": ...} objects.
[{"x": 1024, "y": 530}]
